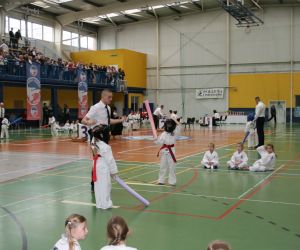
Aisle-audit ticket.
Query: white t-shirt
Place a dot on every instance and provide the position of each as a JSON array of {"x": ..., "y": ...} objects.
[
  {"x": 98, "y": 113},
  {"x": 120, "y": 247},
  {"x": 158, "y": 112},
  {"x": 260, "y": 110},
  {"x": 63, "y": 244}
]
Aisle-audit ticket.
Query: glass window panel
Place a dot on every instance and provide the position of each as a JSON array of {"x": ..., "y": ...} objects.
[
  {"x": 37, "y": 31},
  {"x": 74, "y": 35},
  {"x": 29, "y": 27},
  {"x": 66, "y": 35},
  {"x": 74, "y": 42},
  {"x": 47, "y": 33},
  {"x": 91, "y": 43},
  {"x": 23, "y": 28},
  {"x": 6, "y": 25},
  {"x": 15, "y": 24},
  {"x": 84, "y": 42},
  {"x": 67, "y": 42}
]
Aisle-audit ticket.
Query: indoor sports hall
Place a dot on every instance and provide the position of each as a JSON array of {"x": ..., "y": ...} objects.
[{"x": 149, "y": 124}]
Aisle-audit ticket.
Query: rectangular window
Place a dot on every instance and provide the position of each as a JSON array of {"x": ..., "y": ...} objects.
[
  {"x": 48, "y": 33},
  {"x": 6, "y": 25},
  {"x": 91, "y": 43},
  {"x": 29, "y": 27},
  {"x": 66, "y": 35},
  {"x": 37, "y": 31},
  {"x": 84, "y": 42},
  {"x": 15, "y": 24}
]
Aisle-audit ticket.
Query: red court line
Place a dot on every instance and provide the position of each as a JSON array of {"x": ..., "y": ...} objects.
[
  {"x": 159, "y": 197},
  {"x": 248, "y": 196}
]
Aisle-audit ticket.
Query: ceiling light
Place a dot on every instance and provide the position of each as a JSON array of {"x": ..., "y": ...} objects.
[
  {"x": 157, "y": 7},
  {"x": 40, "y": 4}
]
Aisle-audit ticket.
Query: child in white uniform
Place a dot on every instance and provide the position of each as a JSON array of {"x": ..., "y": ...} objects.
[
  {"x": 210, "y": 159},
  {"x": 251, "y": 131},
  {"x": 168, "y": 161},
  {"x": 117, "y": 232},
  {"x": 104, "y": 168},
  {"x": 75, "y": 230},
  {"x": 239, "y": 159},
  {"x": 4, "y": 128},
  {"x": 53, "y": 126},
  {"x": 267, "y": 161}
]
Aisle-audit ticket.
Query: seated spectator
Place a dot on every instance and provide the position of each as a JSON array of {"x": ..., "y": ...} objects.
[{"x": 215, "y": 118}]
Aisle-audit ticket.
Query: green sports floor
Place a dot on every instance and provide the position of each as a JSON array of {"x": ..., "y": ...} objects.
[{"x": 249, "y": 210}]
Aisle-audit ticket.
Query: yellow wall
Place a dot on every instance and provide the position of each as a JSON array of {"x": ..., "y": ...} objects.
[
  {"x": 275, "y": 86},
  {"x": 46, "y": 95},
  {"x": 11, "y": 94},
  {"x": 70, "y": 97},
  {"x": 133, "y": 63},
  {"x": 135, "y": 69}
]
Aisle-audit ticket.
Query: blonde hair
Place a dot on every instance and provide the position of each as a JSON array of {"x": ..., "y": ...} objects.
[
  {"x": 218, "y": 245},
  {"x": 211, "y": 144},
  {"x": 240, "y": 144},
  {"x": 71, "y": 223}
]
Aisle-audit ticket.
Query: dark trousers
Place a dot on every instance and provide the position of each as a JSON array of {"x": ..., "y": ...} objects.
[
  {"x": 0, "y": 123},
  {"x": 156, "y": 121},
  {"x": 260, "y": 130},
  {"x": 273, "y": 116}
]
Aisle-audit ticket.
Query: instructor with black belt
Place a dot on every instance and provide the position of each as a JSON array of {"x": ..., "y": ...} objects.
[
  {"x": 260, "y": 121},
  {"x": 100, "y": 114}
]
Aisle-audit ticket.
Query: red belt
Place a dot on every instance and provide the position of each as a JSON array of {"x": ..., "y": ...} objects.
[
  {"x": 169, "y": 147},
  {"x": 94, "y": 171}
]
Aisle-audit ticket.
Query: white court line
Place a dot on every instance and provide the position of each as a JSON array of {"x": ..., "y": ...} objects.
[
  {"x": 39, "y": 205},
  {"x": 261, "y": 181},
  {"x": 83, "y": 203},
  {"x": 38, "y": 143},
  {"x": 43, "y": 195},
  {"x": 37, "y": 169},
  {"x": 136, "y": 149},
  {"x": 212, "y": 196}
]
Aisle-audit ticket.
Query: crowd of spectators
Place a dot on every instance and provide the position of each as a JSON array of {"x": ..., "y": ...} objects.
[{"x": 13, "y": 62}]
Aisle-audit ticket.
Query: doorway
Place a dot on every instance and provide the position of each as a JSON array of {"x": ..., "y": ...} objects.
[{"x": 280, "y": 107}]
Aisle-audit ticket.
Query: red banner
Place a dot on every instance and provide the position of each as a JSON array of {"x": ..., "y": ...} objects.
[
  {"x": 82, "y": 95},
  {"x": 33, "y": 91}
]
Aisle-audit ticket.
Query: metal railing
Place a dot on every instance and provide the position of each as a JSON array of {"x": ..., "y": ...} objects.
[{"x": 16, "y": 70}]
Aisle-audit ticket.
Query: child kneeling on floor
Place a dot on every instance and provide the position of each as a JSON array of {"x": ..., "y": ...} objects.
[
  {"x": 75, "y": 230},
  {"x": 210, "y": 159},
  {"x": 267, "y": 161},
  {"x": 168, "y": 160},
  {"x": 104, "y": 168},
  {"x": 239, "y": 159},
  {"x": 117, "y": 232}
]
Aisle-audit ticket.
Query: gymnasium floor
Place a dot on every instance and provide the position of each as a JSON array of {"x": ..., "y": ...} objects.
[{"x": 43, "y": 180}]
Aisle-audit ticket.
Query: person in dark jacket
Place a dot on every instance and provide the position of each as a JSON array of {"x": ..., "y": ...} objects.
[
  {"x": 11, "y": 38},
  {"x": 18, "y": 36},
  {"x": 273, "y": 114}
]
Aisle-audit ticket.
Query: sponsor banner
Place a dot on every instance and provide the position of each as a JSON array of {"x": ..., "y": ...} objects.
[
  {"x": 212, "y": 93},
  {"x": 33, "y": 91},
  {"x": 82, "y": 94}
]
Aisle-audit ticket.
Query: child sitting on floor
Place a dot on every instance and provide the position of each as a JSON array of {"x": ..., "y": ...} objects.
[
  {"x": 267, "y": 161},
  {"x": 210, "y": 158},
  {"x": 239, "y": 158},
  {"x": 75, "y": 230},
  {"x": 104, "y": 168},
  {"x": 117, "y": 232}
]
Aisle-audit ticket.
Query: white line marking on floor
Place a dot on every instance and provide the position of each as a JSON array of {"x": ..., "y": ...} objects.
[
  {"x": 261, "y": 181},
  {"x": 83, "y": 203}
]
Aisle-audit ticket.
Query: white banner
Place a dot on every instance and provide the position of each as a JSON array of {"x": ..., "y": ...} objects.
[{"x": 212, "y": 93}]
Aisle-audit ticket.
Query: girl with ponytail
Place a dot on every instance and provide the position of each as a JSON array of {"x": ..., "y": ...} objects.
[
  {"x": 117, "y": 231},
  {"x": 75, "y": 230}
]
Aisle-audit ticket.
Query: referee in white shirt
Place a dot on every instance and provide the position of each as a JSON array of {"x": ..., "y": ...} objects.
[
  {"x": 100, "y": 114},
  {"x": 260, "y": 110},
  {"x": 157, "y": 114},
  {"x": 2, "y": 113}
]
